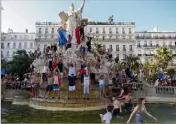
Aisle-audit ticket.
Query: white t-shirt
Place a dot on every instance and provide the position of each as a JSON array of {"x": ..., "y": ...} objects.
[
  {"x": 86, "y": 80},
  {"x": 101, "y": 82},
  {"x": 45, "y": 68},
  {"x": 107, "y": 117},
  {"x": 72, "y": 70},
  {"x": 55, "y": 79}
]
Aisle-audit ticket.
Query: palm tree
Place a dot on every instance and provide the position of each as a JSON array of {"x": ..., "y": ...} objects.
[
  {"x": 163, "y": 57},
  {"x": 99, "y": 48},
  {"x": 171, "y": 71},
  {"x": 132, "y": 61}
]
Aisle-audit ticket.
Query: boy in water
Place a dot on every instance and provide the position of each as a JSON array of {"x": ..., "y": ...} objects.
[
  {"x": 106, "y": 118},
  {"x": 72, "y": 88},
  {"x": 49, "y": 88},
  {"x": 128, "y": 104}
]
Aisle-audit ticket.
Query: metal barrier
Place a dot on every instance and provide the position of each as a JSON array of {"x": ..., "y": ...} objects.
[
  {"x": 135, "y": 86},
  {"x": 165, "y": 91}
]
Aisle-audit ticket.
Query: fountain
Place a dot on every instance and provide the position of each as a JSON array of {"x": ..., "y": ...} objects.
[{"x": 70, "y": 21}]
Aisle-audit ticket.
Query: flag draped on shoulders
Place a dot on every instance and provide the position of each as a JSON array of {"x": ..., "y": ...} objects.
[{"x": 62, "y": 36}]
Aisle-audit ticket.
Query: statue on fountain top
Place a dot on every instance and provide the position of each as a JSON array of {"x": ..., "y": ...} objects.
[{"x": 72, "y": 18}]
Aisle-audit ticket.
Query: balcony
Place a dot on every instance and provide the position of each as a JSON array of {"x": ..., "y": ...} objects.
[
  {"x": 145, "y": 45},
  {"x": 117, "y": 49},
  {"x": 130, "y": 49},
  {"x": 150, "y": 45},
  {"x": 171, "y": 46},
  {"x": 139, "y": 54},
  {"x": 157, "y": 45},
  {"x": 46, "y": 33},
  {"x": 138, "y": 45},
  {"x": 103, "y": 32}
]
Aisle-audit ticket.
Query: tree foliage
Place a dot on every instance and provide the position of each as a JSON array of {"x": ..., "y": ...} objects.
[
  {"x": 20, "y": 63},
  {"x": 171, "y": 71},
  {"x": 163, "y": 57},
  {"x": 132, "y": 61}
]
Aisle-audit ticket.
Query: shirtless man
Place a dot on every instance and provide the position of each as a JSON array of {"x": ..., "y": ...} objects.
[
  {"x": 117, "y": 107},
  {"x": 32, "y": 84},
  {"x": 37, "y": 85},
  {"x": 128, "y": 104},
  {"x": 49, "y": 87}
]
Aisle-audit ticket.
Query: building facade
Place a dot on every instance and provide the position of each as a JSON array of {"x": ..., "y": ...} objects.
[
  {"x": 117, "y": 37},
  {"x": 148, "y": 42},
  {"x": 46, "y": 33},
  {"x": 13, "y": 41}
]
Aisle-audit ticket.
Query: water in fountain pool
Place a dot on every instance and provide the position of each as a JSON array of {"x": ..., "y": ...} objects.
[{"x": 165, "y": 113}]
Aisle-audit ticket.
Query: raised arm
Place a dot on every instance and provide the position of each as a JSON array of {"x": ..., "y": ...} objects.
[
  {"x": 82, "y": 6},
  {"x": 149, "y": 114},
  {"x": 132, "y": 114}
]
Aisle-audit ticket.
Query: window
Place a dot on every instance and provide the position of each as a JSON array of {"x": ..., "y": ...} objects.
[
  {"x": 103, "y": 37},
  {"x": 90, "y": 29},
  {"x": 116, "y": 37},
  {"x": 46, "y": 30},
  {"x": 164, "y": 43},
  {"x": 52, "y": 30},
  {"x": 2, "y": 45},
  {"x": 110, "y": 47},
  {"x": 131, "y": 48},
  {"x": 124, "y": 48},
  {"x": 110, "y": 31},
  {"x": 14, "y": 45},
  {"x": 21, "y": 37},
  {"x": 150, "y": 43},
  {"x": 117, "y": 47},
  {"x": 31, "y": 45},
  {"x": 129, "y": 30},
  {"x": 117, "y": 31},
  {"x": 15, "y": 36},
  {"x": 129, "y": 37},
  {"x": 45, "y": 37},
  {"x": 13, "y": 53},
  {"x": 138, "y": 44},
  {"x": 25, "y": 45},
  {"x": 104, "y": 31},
  {"x": 157, "y": 43},
  {"x": 19, "y": 46},
  {"x": 123, "y": 37},
  {"x": 145, "y": 43},
  {"x": 123, "y": 30},
  {"x": 39, "y": 37},
  {"x": 40, "y": 30},
  {"x": 130, "y": 55},
  {"x": 8, "y": 45},
  {"x": 25, "y": 37},
  {"x": 97, "y": 30},
  {"x": 110, "y": 37},
  {"x": 117, "y": 55},
  {"x": 124, "y": 56},
  {"x": 52, "y": 37},
  {"x": 7, "y": 54},
  {"x": 170, "y": 43},
  {"x": 2, "y": 55}
]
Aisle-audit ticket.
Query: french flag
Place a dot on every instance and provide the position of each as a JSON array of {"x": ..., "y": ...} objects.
[{"x": 62, "y": 36}]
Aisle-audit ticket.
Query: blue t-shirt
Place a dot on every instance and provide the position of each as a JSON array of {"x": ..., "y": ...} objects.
[
  {"x": 3, "y": 72},
  {"x": 160, "y": 75},
  {"x": 72, "y": 80}
]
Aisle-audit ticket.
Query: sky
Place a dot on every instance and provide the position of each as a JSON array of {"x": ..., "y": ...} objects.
[{"x": 22, "y": 14}]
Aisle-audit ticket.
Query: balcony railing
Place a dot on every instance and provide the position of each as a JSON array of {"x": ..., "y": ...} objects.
[
  {"x": 131, "y": 49},
  {"x": 145, "y": 45},
  {"x": 114, "y": 23}
]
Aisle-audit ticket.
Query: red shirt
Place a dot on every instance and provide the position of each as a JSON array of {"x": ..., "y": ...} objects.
[
  {"x": 82, "y": 71},
  {"x": 54, "y": 65},
  {"x": 77, "y": 34}
]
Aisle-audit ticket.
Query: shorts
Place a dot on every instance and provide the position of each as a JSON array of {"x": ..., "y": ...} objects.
[
  {"x": 92, "y": 76},
  {"x": 82, "y": 78},
  {"x": 33, "y": 85},
  {"x": 116, "y": 112},
  {"x": 50, "y": 65},
  {"x": 128, "y": 107},
  {"x": 44, "y": 78},
  {"x": 60, "y": 67},
  {"x": 72, "y": 88},
  {"x": 68, "y": 46},
  {"x": 49, "y": 88},
  {"x": 101, "y": 86},
  {"x": 86, "y": 89},
  {"x": 56, "y": 87}
]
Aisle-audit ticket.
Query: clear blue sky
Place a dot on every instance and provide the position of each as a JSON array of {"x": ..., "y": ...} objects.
[{"x": 22, "y": 14}]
